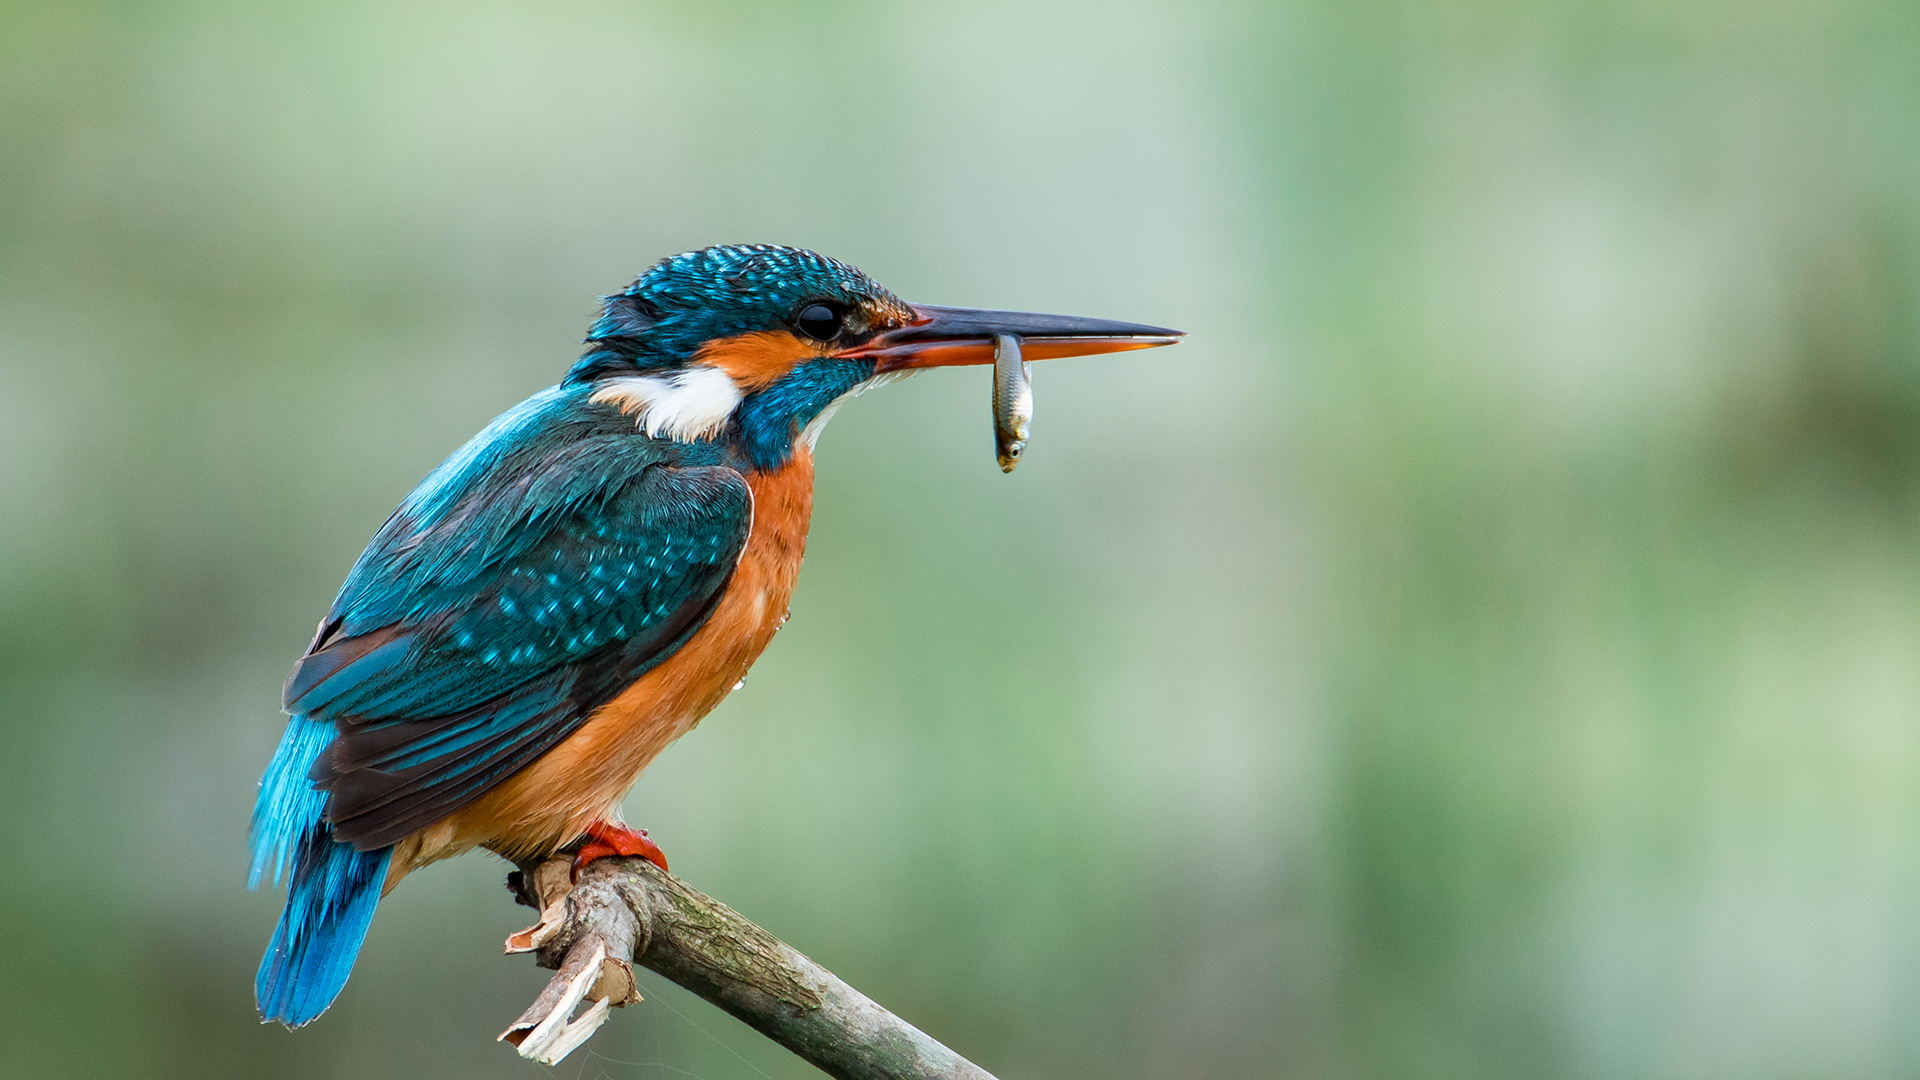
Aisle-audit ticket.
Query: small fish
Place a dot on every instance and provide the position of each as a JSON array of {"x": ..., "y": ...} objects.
[{"x": 1012, "y": 401}]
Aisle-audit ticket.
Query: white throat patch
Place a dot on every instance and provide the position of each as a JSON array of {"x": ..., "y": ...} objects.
[
  {"x": 810, "y": 435},
  {"x": 692, "y": 403}
]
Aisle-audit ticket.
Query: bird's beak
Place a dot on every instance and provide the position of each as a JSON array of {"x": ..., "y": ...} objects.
[{"x": 945, "y": 336}]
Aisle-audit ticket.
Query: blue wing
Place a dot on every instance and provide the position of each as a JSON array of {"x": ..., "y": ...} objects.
[{"x": 506, "y": 600}]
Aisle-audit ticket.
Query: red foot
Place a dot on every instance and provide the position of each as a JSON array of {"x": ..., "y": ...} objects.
[{"x": 606, "y": 840}]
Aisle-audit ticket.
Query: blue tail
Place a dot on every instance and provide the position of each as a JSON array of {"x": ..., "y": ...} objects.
[
  {"x": 334, "y": 890},
  {"x": 329, "y": 906}
]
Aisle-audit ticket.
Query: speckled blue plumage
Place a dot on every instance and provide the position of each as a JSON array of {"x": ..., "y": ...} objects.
[
  {"x": 688, "y": 300},
  {"x": 531, "y": 577},
  {"x": 552, "y": 560}
]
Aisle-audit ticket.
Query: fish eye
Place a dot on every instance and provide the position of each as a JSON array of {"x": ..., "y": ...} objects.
[{"x": 819, "y": 322}]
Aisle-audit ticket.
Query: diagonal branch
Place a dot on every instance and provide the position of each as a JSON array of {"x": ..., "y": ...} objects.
[{"x": 626, "y": 911}]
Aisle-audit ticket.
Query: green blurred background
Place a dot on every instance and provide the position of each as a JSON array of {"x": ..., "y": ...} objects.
[{"x": 1486, "y": 649}]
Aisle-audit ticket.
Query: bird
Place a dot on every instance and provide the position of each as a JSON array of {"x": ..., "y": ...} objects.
[{"x": 579, "y": 585}]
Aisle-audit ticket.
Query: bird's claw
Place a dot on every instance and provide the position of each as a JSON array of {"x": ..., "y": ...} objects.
[{"x": 607, "y": 840}]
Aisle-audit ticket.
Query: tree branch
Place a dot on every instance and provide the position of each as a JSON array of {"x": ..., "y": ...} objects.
[{"x": 626, "y": 911}]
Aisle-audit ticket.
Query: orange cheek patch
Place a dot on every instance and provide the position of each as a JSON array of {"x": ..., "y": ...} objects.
[{"x": 757, "y": 360}]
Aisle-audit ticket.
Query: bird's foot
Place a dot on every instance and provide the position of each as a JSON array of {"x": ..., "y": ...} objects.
[{"x": 606, "y": 839}]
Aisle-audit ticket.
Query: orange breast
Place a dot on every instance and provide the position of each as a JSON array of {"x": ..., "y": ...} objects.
[{"x": 582, "y": 780}]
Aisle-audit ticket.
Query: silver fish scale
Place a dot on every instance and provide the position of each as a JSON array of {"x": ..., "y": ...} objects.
[{"x": 1012, "y": 401}]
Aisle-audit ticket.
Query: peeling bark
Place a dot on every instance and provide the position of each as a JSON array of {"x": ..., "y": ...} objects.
[{"x": 628, "y": 911}]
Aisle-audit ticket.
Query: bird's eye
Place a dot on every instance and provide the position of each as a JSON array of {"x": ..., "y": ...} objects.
[{"x": 819, "y": 322}]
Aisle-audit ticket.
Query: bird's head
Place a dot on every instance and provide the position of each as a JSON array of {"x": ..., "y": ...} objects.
[{"x": 759, "y": 343}]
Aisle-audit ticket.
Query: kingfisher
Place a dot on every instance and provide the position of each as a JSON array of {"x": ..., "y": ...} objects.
[{"x": 581, "y": 583}]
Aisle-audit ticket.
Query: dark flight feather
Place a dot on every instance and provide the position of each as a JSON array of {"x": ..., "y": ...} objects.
[{"x": 484, "y": 625}]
